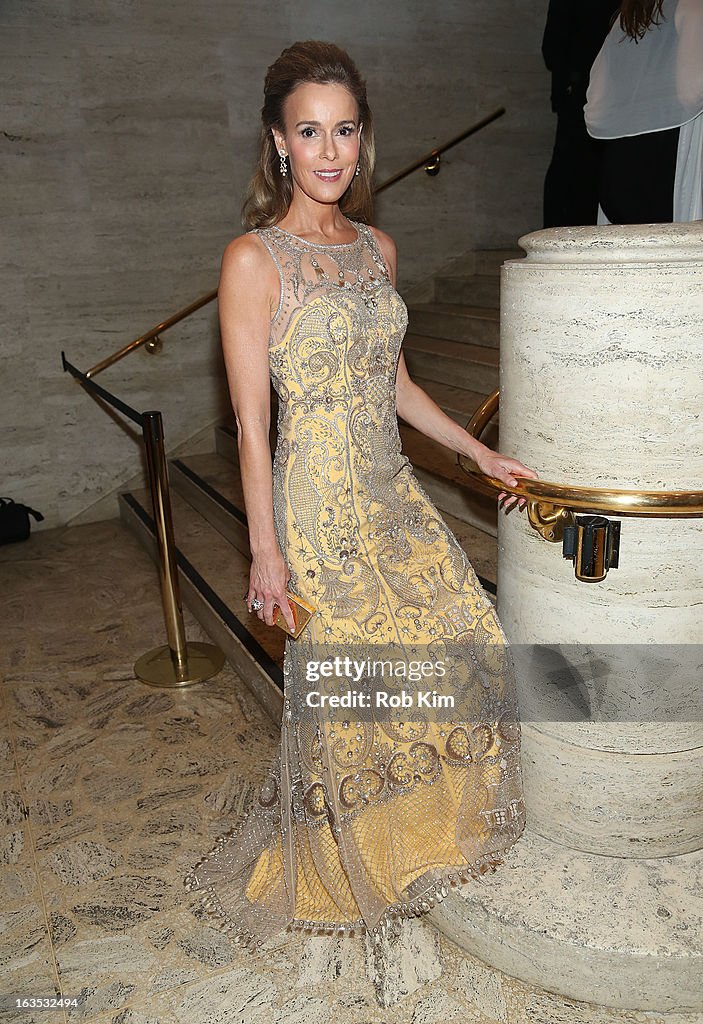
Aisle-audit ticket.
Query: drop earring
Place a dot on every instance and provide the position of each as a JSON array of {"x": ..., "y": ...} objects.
[
  {"x": 284, "y": 170},
  {"x": 356, "y": 171}
]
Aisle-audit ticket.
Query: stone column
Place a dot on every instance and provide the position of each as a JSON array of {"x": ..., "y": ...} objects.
[
  {"x": 601, "y": 385},
  {"x": 601, "y": 382}
]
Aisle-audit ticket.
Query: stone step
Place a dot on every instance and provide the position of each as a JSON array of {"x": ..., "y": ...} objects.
[
  {"x": 477, "y": 325},
  {"x": 482, "y": 261},
  {"x": 220, "y": 472},
  {"x": 489, "y": 261},
  {"x": 212, "y": 484},
  {"x": 473, "y": 290},
  {"x": 460, "y": 404},
  {"x": 213, "y": 576},
  {"x": 473, "y": 367}
]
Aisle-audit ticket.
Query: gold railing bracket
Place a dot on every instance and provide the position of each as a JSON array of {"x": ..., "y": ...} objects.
[
  {"x": 152, "y": 334},
  {"x": 154, "y": 345},
  {"x": 549, "y": 520},
  {"x": 430, "y": 162},
  {"x": 433, "y": 166}
]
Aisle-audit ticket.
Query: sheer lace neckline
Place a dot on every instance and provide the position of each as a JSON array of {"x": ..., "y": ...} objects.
[{"x": 324, "y": 245}]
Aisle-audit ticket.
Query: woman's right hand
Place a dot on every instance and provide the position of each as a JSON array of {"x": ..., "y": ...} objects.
[{"x": 268, "y": 579}]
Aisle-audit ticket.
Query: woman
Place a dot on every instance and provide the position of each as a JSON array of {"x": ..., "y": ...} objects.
[
  {"x": 645, "y": 99},
  {"x": 359, "y": 822}
]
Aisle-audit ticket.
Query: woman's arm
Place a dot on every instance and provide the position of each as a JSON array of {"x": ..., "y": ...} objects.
[
  {"x": 418, "y": 409},
  {"x": 244, "y": 304}
]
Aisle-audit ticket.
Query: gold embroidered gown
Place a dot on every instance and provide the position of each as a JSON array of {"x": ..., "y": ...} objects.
[{"x": 361, "y": 823}]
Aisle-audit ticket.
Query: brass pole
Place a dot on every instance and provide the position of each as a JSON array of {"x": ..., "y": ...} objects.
[
  {"x": 163, "y": 523},
  {"x": 179, "y": 663}
]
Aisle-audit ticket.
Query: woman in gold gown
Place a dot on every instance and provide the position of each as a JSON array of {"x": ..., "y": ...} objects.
[{"x": 360, "y": 822}]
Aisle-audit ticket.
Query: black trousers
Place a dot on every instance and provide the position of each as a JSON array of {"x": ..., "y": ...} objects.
[
  {"x": 571, "y": 181},
  {"x": 636, "y": 177}
]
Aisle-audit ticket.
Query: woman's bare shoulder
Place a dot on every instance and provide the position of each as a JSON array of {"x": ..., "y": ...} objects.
[
  {"x": 249, "y": 274},
  {"x": 383, "y": 238},
  {"x": 246, "y": 252},
  {"x": 247, "y": 261}
]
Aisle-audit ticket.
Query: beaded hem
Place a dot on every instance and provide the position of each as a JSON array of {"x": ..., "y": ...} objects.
[{"x": 389, "y": 922}]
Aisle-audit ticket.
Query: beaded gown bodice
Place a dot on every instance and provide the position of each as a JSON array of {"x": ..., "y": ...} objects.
[
  {"x": 333, "y": 353},
  {"x": 363, "y": 822}
]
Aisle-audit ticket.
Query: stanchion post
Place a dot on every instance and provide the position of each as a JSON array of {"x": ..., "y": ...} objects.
[
  {"x": 163, "y": 524},
  {"x": 178, "y": 663}
]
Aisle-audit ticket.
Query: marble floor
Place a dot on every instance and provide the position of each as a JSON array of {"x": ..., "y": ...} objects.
[{"x": 112, "y": 789}]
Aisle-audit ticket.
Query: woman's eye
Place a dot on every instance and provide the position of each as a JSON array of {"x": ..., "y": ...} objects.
[{"x": 306, "y": 130}]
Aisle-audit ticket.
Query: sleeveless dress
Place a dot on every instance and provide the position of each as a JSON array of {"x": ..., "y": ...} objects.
[{"x": 364, "y": 818}]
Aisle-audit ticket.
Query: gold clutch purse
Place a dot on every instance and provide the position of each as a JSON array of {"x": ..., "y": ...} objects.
[{"x": 302, "y": 613}]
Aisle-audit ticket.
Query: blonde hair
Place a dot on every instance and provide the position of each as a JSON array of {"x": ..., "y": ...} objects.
[{"x": 269, "y": 193}]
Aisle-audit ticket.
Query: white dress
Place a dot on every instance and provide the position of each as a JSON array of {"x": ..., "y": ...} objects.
[{"x": 653, "y": 85}]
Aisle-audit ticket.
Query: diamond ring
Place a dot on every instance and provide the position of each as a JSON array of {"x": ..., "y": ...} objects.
[{"x": 256, "y": 604}]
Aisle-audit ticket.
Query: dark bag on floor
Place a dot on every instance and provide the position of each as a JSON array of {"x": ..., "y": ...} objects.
[{"x": 14, "y": 520}]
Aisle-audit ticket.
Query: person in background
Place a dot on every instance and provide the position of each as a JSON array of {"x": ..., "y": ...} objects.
[
  {"x": 645, "y": 102},
  {"x": 573, "y": 35}
]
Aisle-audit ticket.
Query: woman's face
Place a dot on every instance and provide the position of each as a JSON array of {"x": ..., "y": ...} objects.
[{"x": 322, "y": 134}]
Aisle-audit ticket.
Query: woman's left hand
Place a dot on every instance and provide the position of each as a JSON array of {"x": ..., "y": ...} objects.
[{"x": 502, "y": 467}]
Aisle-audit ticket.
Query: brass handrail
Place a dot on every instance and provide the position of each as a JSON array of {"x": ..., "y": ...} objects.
[
  {"x": 550, "y": 504},
  {"x": 430, "y": 161},
  {"x": 151, "y": 334}
]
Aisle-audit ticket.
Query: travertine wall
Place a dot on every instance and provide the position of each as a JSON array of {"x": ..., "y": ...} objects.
[{"x": 128, "y": 135}]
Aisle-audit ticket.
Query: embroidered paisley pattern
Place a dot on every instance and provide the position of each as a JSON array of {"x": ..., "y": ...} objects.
[{"x": 362, "y": 822}]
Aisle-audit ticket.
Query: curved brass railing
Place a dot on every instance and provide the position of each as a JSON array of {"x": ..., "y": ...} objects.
[
  {"x": 550, "y": 505},
  {"x": 431, "y": 163}
]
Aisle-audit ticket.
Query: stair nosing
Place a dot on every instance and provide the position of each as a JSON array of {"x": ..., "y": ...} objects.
[
  {"x": 484, "y": 354},
  {"x": 457, "y": 309},
  {"x": 211, "y": 492}
]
